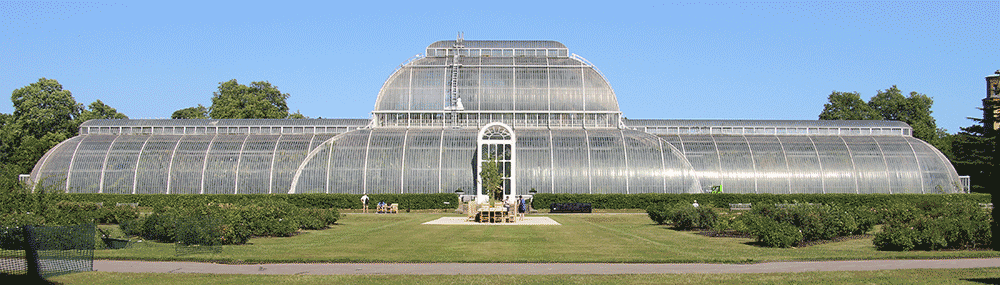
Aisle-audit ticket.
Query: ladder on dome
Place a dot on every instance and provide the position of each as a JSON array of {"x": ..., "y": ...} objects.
[{"x": 455, "y": 102}]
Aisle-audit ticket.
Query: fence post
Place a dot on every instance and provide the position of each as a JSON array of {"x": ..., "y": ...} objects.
[{"x": 30, "y": 252}]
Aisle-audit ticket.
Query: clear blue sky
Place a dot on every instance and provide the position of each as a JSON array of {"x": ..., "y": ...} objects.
[{"x": 674, "y": 60}]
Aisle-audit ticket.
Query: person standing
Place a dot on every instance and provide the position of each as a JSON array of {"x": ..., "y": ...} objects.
[
  {"x": 364, "y": 203},
  {"x": 521, "y": 207}
]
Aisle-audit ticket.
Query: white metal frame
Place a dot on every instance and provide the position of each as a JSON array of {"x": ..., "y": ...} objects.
[{"x": 480, "y": 141}]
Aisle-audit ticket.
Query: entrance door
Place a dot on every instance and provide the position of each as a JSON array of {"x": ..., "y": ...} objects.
[{"x": 496, "y": 153}]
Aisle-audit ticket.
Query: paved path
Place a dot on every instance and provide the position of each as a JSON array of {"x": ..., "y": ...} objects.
[{"x": 532, "y": 268}]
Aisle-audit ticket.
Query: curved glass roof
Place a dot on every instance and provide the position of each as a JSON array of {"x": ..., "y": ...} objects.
[
  {"x": 436, "y": 160},
  {"x": 571, "y": 138},
  {"x": 531, "y": 80},
  {"x": 781, "y": 164},
  {"x": 176, "y": 164},
  {"x": 398, "y": 160}
]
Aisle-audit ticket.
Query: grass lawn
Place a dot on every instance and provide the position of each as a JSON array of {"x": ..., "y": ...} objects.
[
  {"x": 907, "y": 276},
  {"x": 580, "y": 238}
]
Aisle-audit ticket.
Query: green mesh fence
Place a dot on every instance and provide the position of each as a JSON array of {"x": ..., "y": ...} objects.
[
  {"x": 12, "y": 254},
  {"x": 55, "y": 250}
]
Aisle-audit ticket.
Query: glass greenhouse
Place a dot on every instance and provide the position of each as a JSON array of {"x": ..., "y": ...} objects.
[{"x": 546, "y": 117}]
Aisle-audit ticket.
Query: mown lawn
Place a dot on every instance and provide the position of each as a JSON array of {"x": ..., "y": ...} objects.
[
  {"x": 580, "y": 238},
  {"x": 907, "y": 276}
]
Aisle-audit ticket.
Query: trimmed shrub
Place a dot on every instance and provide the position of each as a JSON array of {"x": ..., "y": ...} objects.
[
  {"x": 683, "y": 215},
  {"x": 116, "y": 214},
  {"x": 197, "y": 229},
  {"x": 773, "y": 233},
  {"x": 866, "y": 218},
  {"x": 270, "y": 218},
  {"x": 895, "y": 238},
  {"x": 159, "y": 226},
  {"x": 133, "y": 227},
  {"x": 73, "y": 213},
  {"x": 657, "y": 213},
  {"x": 316, "y": 219},
  {"x": 934, "y": 226},
  {"x": 816, "y": 222},
  {"x": 205, "y": 225}
]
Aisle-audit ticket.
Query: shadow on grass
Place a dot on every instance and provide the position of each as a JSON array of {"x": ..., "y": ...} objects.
[
  {"x": 758, "y": 244},
  {"x": 984, "y": 280},
  {"x": 23, "y": 279}
]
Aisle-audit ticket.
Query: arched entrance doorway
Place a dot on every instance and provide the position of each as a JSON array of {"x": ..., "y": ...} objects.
[{"x": 496, "y": 145}]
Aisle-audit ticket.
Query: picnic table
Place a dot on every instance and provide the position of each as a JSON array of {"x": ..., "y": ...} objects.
[
  {"x": 387, "y": 209},
  {"x": 500, "y": 214}
]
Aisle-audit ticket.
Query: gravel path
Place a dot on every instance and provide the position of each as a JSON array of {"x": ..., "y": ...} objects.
[{"x": 532, "y": 268}]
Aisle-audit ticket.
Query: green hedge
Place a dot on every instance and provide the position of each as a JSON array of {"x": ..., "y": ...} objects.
[
  {"x": 219, "y": 224},
  {"x": 314, "y": 201},
  {"x": 722, "y": 200},
  {"x": 684, "y": 216},
  {"x": 934, "y": 226}
]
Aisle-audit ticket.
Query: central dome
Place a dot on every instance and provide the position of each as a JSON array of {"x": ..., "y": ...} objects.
[{"x": 510, "y": 77}]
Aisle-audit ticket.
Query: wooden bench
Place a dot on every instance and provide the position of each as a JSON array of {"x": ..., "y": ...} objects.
[
  {"x": 740, "y": 207},
  {"x": 988, "y": 206},
  {"x": 792, "y": 205},
  {"x": 133, "y": 205}
]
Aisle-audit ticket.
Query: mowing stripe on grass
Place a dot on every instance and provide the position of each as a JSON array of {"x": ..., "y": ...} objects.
[
  {"x": 634, "y": 236},
  {"x": 367, "y": 231}
]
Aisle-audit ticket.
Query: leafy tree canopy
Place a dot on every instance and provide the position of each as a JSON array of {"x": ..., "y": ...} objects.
[
  {"x": 297, "y": 115},
  {"x": 848, "y": 106},
  {"x": 491, "y": 179},
  {"x": 260, "y": 100},
  {"x": 914, "y": 110},
  {"x": 199, "y": 112},
  {"x": 44, "y": 107},
  {"x": 98, "y": 110},
  {"x": 44, "y": 115},
  {"x": 889, "y": 104},
  {"x": 972, "y": 152}
]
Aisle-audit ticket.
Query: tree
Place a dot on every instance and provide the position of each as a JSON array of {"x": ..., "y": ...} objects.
[
  {"x": 199, "y": 112},
  {"x": 914, "y": 110},
  {"x": 260, "y": 100},
  {"x": 972, "y": 155},
  {"x": 847, "y": 106},
  {"x": 889, "y": 104},
  {"x": 973, "y": 152},
  {"x": 297, "y": 115},
  {"x": 43, "y": 107},
  {"x": 491, "y": 179},
  {"x": 98, "y": 110},
  {"x": 44, "y": 115}
]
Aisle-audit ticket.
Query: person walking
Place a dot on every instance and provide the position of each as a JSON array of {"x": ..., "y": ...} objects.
[{"x": 364, "y": 203}]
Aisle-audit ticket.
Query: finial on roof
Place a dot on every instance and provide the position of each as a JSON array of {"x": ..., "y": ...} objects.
[
  {"x": 997, "y": 72},
  {"x": 458, "y": 41}
]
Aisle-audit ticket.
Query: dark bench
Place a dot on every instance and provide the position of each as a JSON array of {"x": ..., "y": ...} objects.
[{"x": 570, "y": 208}]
